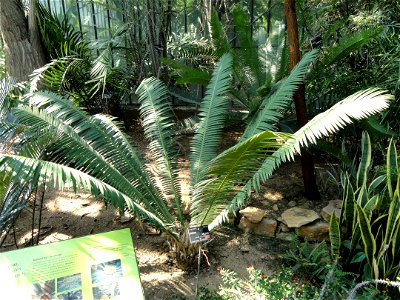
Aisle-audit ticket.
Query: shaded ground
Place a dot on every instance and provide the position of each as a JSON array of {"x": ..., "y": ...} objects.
[{"x": 66, "y": 215}]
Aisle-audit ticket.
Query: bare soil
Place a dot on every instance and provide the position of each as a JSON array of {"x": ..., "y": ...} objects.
[{"x": 67, "y": 215}]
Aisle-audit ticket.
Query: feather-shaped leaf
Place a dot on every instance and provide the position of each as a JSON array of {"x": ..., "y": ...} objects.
[
  {"x": 227, "y": 172},
  {"x": 269, "y": 111},
  {"x": 212, "y": 112},
  {"x": 156, "y": 116},
  {"x": 357, "y": 106}
]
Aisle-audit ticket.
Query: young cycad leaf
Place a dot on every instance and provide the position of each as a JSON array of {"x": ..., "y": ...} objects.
[
  {"x": 156, "y": 116},
  {"x": 357, "y": 106},
  {"x": 270, "y": 110},
  {"x": 227, "y": 172},
  {"x": 212, "y": 113}
]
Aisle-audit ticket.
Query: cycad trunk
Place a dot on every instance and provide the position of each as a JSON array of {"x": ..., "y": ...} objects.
[
  {"x": 307, "y": 163},
  {"x": 22, "y": 46}
]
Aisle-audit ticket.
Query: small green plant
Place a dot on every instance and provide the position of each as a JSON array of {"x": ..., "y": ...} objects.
[
  {"x": 311, "y": 261},
  {"x": 282, "y": 285}
]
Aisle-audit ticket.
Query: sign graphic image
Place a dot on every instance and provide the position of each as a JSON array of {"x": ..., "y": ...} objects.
[{"x": 101, "y": 266}]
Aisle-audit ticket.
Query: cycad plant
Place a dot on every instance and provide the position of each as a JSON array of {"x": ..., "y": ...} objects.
[{"x": 64, "y": 146}]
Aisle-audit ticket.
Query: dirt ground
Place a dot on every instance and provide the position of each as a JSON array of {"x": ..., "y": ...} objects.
[{"x": 66, "y": 215}]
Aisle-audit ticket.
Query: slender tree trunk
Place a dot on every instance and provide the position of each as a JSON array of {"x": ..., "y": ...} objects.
[
  {"x": 22, "y": 47},
  {"x": 307, "y": 163},
  {"x": 154, "y": 46}
]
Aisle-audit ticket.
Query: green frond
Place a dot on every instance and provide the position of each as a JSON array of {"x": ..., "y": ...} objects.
[
  {"x": 60, "y": 176},
  {"x": 156, "y": 116},
  {"x": 357, "y": 106},
  {"x": 212, "y": 112},
  {"x": 218, "y": 35},
  {"x": 227, "y": 172},
  {"x": 269, "y": 111},
  {"x": 108, "y": 154},
  {"x": 249, "y": 51},
  {"x": 345, "y": 46}
]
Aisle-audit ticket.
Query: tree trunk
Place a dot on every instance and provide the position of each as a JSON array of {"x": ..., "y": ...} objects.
[
  {"x": 22, "y": 46},
  {"x": 307, "y": 163}
]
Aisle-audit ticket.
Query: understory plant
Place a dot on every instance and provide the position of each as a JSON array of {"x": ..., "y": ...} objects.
[
  {"x": 370, "y": 216},
  {"x": 60, "y": 144}
]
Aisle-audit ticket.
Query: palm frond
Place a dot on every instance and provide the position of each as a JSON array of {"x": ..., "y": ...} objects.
[
  {"x": 345, "y": 46},
  {"x": 6, "y": 85},
  {"x": 212, "y": 112},
  {"x": 249, "y": 51},
  {"x": 218, "y": 35},
  {"x": 60, "y": 176},
  {"x": 269, "y": 111},
  {"x": 108, "y": 154},
  {"x": 357, "y": 106},
  {"x": 228, "y": 171},
  {"x": 156, "y": 116}
]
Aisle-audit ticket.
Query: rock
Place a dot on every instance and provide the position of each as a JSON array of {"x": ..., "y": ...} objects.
[
  {"x": 285, "y": 236},
  {"x": 125, "y": 218},
  {"x": 283, "y": 228},
  {"x": 318, "y": 231},
  {"x": 253, "y": 214},
  {"x": 292, "y": 203},
  {"x": 275, "y": 207},
  {"x": 266, "y": 227},
  {"x": 334, "y": 206},
  {"x": 296, "y": 217}
]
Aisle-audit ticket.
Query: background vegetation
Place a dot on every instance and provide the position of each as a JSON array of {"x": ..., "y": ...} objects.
[{"x": 232, "y": 62}]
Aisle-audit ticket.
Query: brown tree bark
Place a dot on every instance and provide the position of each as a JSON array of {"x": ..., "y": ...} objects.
[
  {"x": 307, "y": 162},
  {"x": 22, "y": 47}
]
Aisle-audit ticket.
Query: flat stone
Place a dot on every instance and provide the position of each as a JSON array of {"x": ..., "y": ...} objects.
[
  {"x": 285, "y": 236},
  {"x": 283, "y": 227},
  {"x": 275, "y": 207},
  {"x": 318, "y": 231},
  {"x": 266, "y": 227},
  {"x": 253, "y": 214},
  {"x": 297, "y": 217},
  {"x": 334, "y": 206}
]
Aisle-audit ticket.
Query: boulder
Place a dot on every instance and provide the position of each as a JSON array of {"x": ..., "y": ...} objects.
[
  {"x": 297, "y": 217},
  {"x": 318, "y": 231},
  {"x": 266, "y": 227},
  {"x": 334, "y": 206},
  {"x": 253, "y": 214}
]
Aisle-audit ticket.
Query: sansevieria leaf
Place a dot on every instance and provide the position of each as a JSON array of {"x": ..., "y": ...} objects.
[{"x": 366, "y": 235}]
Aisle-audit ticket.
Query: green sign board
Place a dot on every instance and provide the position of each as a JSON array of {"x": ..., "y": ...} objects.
[{"x": 99, "y": 267}]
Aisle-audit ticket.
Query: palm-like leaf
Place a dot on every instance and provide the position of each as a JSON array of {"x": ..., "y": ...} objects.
[
  {"x": 269, "y": 111},
  {"x": 212, "y": 112},
  {"x": 157, "y": 122},
  {"x": 108, "y": 155},
  {"x": 58, "y": 175},
  {"x": 357, "y": 106},
  {"x": 228, "y": 171}
]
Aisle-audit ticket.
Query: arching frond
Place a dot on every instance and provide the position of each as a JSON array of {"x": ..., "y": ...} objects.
[
  {"x": 269, "y": 111},
  {"x": 212, "y": 113},
  {"x": 156, "y": 116},
  {"x": 228, "y": 171},
  {"x": 357, "y": 106},
  {"x": 108, "y": 155},
  {"x": 59, "y": 176}
]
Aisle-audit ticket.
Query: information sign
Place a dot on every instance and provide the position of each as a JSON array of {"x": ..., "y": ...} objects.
[{"x": 96, "y": 267}]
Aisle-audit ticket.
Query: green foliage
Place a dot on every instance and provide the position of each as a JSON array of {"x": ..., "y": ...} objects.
[
  {"x": 371, "y": 214},
  {"x": 311, "y": 261},
  {"x": 281, "y": 285},
  {"x": 56, "y": 133}
]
